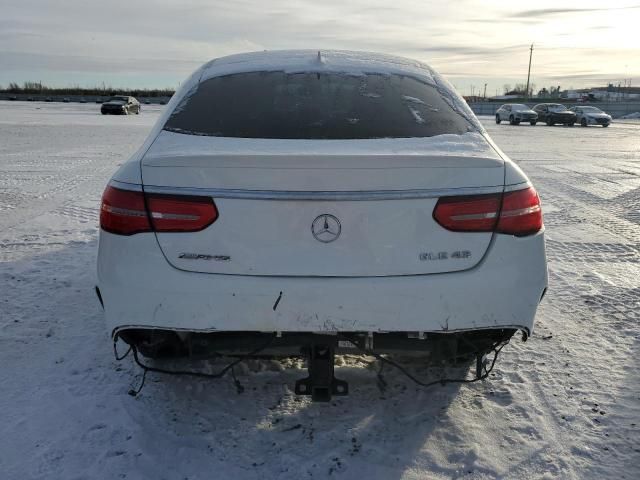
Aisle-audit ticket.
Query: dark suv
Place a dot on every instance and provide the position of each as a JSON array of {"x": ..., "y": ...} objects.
[{"x": 552, "y": 113}]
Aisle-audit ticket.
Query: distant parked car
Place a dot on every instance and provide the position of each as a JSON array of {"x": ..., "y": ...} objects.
[
  {"x": 66, "y": 100},
  {"x": 83, "y": 100},
  {"x": 48, "y": 99},
  {"x": 516, "y": 113},
  {"x": 13, "y": 98},
  {"x": 552, "y": 113},
  {"x": 591, "y": 116},
  {"x": 120, "y": 105}
]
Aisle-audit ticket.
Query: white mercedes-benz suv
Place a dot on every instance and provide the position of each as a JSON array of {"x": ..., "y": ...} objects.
[{"x": 307, "y": 203}]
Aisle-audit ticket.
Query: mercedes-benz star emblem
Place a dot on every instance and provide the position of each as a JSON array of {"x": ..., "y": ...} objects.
[{"x": 326, "y": 228}]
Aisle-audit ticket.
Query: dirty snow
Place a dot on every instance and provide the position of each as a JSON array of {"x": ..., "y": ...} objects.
[
  {"x": 564, "y": 405},
  {"x": 416, "y": 114}
]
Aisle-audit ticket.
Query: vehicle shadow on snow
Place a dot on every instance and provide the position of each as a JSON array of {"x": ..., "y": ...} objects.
[{"x": 267, "y": 428}]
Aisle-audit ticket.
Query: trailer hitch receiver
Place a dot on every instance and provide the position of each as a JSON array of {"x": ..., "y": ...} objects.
[{"x": 321, "y": 383}]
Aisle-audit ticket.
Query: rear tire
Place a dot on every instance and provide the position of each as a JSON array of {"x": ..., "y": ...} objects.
[
  {"x": 571, "y": 124},
  {"x": 550, "y": 122},
  {"x": 605, "y": 125},
  {"x": 511, "y": 120},
  {"x": 498, "y": 119},
  {"x": 583, "y": 122},
  {"x": 533, "y": 123}
]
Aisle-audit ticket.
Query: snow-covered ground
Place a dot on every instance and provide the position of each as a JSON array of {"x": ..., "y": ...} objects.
[{"x": 566, "y": 404}]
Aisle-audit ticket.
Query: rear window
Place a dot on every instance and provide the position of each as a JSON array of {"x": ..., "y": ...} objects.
[{"x": 315, "y": 106}]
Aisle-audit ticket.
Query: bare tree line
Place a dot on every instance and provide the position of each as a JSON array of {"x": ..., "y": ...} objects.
[{"x": 37, "y": 88}]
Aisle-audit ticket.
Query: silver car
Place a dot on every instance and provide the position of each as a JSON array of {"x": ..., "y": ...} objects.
[
  {"x": 591, "y": 116},
  {"x": 516, "y": 113}
]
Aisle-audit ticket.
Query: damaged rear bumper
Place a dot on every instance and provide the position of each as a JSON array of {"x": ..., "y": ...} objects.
[
  {"x": 434, "y": 346},
  {"x": 456, "y": 348},
  {"x": 141, "y": 290}
]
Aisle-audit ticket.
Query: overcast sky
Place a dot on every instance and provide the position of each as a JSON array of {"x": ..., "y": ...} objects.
[{"x": 157, "y": 43}]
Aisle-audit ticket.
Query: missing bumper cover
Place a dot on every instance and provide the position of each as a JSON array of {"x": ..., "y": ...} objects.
[{"x": 319, "y": 349}]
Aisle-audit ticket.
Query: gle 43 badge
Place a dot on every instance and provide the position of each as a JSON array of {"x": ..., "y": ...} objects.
[{"x": 458, "y": 254}]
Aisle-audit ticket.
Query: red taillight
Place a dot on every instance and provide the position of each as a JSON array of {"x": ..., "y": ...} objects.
[
  {"x": 521, "y": 213},
  {"x": 181, "y": 213},
  {"x": 515, "y": 213},
  {"x": 124, "y": 212},
  {"x": 476, "y": 213}
]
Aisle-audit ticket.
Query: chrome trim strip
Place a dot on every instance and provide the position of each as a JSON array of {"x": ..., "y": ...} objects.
[
  {"x": 475, "y": 216},
  {"x": 323, "y": 195},
  {"x": 124, "y": 212},
  {"x": 520, "y": 211}
]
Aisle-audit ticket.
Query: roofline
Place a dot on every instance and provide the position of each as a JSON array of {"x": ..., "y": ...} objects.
[{"x": 308, "y": 60}]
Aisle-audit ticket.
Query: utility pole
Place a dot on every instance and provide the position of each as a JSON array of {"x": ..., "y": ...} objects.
[
  {"x": 529, "y": 72},
  {"x": 485, "y": 91}
]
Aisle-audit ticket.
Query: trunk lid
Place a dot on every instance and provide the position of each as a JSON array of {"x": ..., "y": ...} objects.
[{"x": 282, "y": 202}]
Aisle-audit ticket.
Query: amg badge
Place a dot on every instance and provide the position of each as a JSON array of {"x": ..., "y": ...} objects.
[{"x": 204, "y": 256}]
